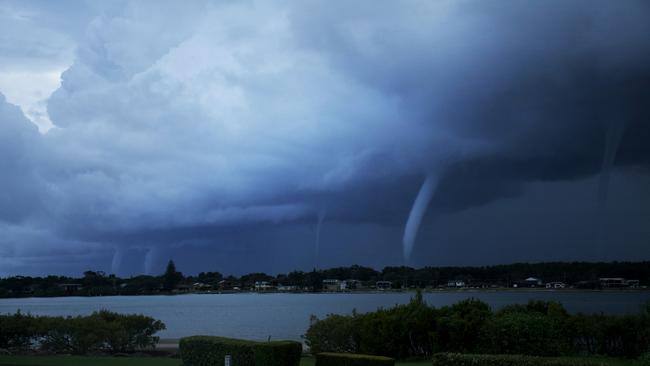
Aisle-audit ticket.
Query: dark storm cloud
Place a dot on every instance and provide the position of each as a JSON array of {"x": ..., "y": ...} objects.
[
  {"x": 20, "y": 184},
  {"x": 246, "y": 124}
]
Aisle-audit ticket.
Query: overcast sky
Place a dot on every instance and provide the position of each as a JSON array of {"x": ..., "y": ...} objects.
[{"x": 241, "y": 136}]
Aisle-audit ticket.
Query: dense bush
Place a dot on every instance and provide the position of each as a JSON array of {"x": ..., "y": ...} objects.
[
  {"x": 617, "y": 336},
  {"x": 458, "y": 326},
  {"x": 102, "y": 331},
  {"x": 336, "y": 333},
  {"x": 399, "y": 332},
  {"x": 350, "y": 359},
  {"x": 529, "y": 333},
  {"x": 542, "y": 328},
  {"x": 211, "y": 351},
  {"x": 644, "y": 360},
  {"x": 17, "y": 331},
  {"x": 457, "y": 359}
]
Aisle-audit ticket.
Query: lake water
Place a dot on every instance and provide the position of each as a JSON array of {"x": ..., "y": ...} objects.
[{"x": 286, "y": 316}]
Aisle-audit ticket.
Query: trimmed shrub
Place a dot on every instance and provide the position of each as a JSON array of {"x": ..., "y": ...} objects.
[
  {"x": 211, "y": 351},
  {"x": 458, "y": 359},
  {"x": 351, "y": 359}
]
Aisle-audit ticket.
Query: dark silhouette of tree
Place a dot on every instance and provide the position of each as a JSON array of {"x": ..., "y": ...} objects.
[{"x": 172, "y": 277}]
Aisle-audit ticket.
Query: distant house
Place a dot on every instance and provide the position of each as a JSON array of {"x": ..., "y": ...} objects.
[
  {"x": 617, "y": 282},
  {"x": 288, "y": 288},
  {"x": 383, "y": 285},
  {"x": 456, "y": 284},
  {"x": 332, "y": 285},
  {"x": 353, "y": 284},
  {"x": 226, "y": 285},
  {"x": 263, "y": 286},
  {"x": 613, "y": 282},
  {"x": 531, "y": 282},
  {"x": 555, "y": 285},
  {"x": 200, "y": 286}
]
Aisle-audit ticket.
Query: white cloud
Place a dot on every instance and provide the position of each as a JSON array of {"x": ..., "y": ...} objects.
[{"x": 32, "y": 58}]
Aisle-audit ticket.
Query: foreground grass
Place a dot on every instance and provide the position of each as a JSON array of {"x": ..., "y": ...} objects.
[
  {"x": 87, "y": 361},
  {"x": 123, "y": 361},
  {"x": 162, "y": 361},
  {"x": 309, "y": 361}
]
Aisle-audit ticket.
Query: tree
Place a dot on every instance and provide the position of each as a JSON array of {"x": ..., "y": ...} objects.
[{"x": 171, "y": 278}]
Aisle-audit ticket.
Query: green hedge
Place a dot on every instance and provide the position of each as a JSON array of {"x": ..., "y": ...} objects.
[
  {"x": 459, "y": 359},
  {"x": 351, "y": 359},
  {"x": 211, "y": 351}
]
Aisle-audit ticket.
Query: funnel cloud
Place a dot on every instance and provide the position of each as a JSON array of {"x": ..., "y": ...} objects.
[{"x": 416, "y": 215}]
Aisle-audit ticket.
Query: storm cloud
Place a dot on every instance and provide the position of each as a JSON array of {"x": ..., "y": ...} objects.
[{"x": 245, "y": 136}]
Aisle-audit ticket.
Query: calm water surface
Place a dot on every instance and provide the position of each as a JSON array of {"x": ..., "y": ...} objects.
[{"x": 286, "y": 316}]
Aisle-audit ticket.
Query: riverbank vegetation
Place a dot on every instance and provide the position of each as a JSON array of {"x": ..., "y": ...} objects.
[
  {"x": 582, "y": 275},
  {"x": 538, "y": 329},
  {"x": 101, "y": 332}
]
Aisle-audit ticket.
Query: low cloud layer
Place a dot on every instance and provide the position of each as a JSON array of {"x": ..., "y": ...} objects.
[{"x": 249, "y": 135}]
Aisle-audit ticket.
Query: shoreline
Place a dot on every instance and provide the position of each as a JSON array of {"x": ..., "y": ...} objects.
[{"x": 360, "y": 292}]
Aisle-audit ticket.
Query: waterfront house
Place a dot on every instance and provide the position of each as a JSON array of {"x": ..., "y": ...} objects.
[
  {"x": 263, "y": 286},
  {"x": 617, "y": 282},
  {"x": 456, "y": 284},
  {"x": 200, "y": 286},
  {"x": 353, "y": 284},
  {"x": 225, "y": 285},
  {"x": 555, "y": 285},
  {"x": 288, "y": 288},
  {"x": 383, "y": 285},
  {"x": 332, "y": 285},
  {"x": 531, "y": 282}
]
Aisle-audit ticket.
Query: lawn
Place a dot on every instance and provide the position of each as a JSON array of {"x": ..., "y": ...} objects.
[
  {"x": 87, "y": 361},
  {"x": 123, "y": 361},
  {"x": 309, "y": 361},
  {"x": 161, "y": 361}
]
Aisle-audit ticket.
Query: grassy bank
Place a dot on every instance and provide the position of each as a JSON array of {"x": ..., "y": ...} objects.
[
  {"x": 87, "y": 361},
  {"x": 123, "y": 361},
  {"x": 161, "y": 361}
]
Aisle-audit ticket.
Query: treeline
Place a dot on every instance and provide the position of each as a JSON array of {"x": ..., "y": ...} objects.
[
  {"x": 539, "y": 328},
  {"x": 102, "y": 331},
  {"x": 95, "y": 283}
]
